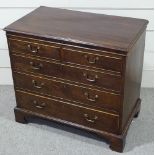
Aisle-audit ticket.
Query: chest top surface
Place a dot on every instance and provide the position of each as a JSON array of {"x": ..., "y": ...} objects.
[{"x": 100, "y": 30}]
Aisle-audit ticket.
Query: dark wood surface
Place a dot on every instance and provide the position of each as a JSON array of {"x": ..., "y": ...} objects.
[
  {"x": 74, "y": 93},
  {"x": 71, "y": 73},
  {"x": 83, "y": 28},
  {"x": 133, "y": 77},
  {"x": 35, "y": 49},
  {"x": 74, "y": 113},
  {"x": 81, "y": 69},
  {"x": 66, "y": 54}
]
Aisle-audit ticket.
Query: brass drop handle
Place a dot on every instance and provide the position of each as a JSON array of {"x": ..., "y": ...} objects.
[
  {"x": 32, "y": 49},
  {"x": 91, "y": 60},
  {"x": 90, "y": 79},
  {"x": 91, "y": 120},
  {"x": 39, "y": 106},
  {"x": 36, "y": 66},
  {"x": 35, "y": 85},
  {"x": 91, "y": 99}
]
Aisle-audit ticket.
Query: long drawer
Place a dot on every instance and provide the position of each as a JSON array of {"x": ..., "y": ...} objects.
[
  {"x": 52, "y": 87},
  {"x": 72, "y": 73},
  {"x": 66, "y": 53},
  {"x": 68, "y": 112}
]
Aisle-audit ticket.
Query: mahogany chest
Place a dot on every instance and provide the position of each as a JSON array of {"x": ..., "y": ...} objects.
[{"x": 80, "y": 69}]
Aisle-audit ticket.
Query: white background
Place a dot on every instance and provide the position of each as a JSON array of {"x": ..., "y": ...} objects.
[{"x": 13, "y": 10}]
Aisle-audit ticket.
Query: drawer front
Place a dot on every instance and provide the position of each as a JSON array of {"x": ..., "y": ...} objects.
[
  {"x": 91, "y": 97},
  {"x": 68, "y": 112},
  {"x": 83, "y": 57},
  {"x": 63, "y": 53},
  {"x": 76, "y": 74},
  {"x": 36, "y": 49}
]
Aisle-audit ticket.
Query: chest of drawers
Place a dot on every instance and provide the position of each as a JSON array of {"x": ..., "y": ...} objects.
[{"x": 80, "y": 69}]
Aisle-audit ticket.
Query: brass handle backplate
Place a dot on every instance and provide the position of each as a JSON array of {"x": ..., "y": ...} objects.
[
  {"x": 89, "y": 98},
  {"x": 39, "y": 106},
  {"x": 35, "y": 85},
  {"x": 91, "y": 60},
  {"x": 32, "y": 49},
  {"x": 36, "y": 66},
  {"x": 91, "y": 120},
  {"x": 89, "y": 78}
]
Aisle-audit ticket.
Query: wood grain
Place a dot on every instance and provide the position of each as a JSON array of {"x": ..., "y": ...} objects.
[
  {"x": 76, "y": 27},
  {"x": 82, "y": 69}
]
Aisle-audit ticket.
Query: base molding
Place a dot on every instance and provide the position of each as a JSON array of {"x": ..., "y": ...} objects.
[{"x": 117, "y": 142}]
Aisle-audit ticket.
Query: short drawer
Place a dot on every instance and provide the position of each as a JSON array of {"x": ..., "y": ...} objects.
[
  {"x": 34, "y": 48},
  {"x": 74, "y": 93},
  {"x": 67, "y": 72},
  {"x": 87, "y": 57},
  {"x": 66, "y": 111}
]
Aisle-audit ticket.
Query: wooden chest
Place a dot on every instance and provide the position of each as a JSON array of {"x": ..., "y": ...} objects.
[{"x": 80, "y": 69}]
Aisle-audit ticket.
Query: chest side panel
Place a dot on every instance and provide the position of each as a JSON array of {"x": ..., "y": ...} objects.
[{"x": 133, "y": 76}]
